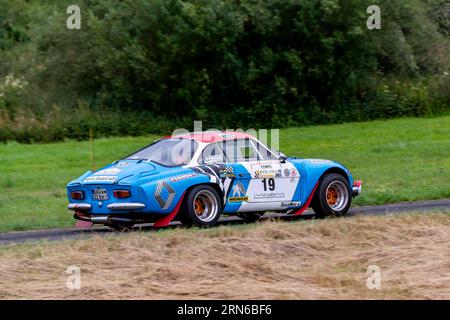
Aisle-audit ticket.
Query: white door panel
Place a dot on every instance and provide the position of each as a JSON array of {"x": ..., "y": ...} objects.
[{"x": 271, "y": 187}]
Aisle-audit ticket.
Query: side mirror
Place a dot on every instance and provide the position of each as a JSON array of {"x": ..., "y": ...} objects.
[{"x": 282, "y": 158}]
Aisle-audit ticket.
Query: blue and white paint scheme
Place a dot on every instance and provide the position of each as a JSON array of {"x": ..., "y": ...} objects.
[{"x": 149, "y": 185}]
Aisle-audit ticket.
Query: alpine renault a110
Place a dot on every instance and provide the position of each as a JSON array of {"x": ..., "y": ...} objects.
[{"x": 197, "y": 177}]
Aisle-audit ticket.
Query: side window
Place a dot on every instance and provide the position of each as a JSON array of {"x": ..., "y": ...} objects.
[
  {"x": 212, "y": 154},
  {"x": 240, "y": 150},
  {"x": 264, "y": 152}
]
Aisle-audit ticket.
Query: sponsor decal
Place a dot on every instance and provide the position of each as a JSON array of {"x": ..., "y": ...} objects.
[
  {"x": 290, "y": 204},
  {"x": 261, "y": 165},
  {"x": 109, "y": 171},
  {"x": 238, "y": 192},
  {"x": 320, "y": 161},
  {"x": 287, "y": 172},
  {"x": 164, "y": 203},
  {"x": 293, "y": 172},
  {"x": 211, "y": 159},
  {"x": 100, "y": 179},
  {"x": 122, "y": 164},
  {"x": 237, "y": 199},
  {"x": 269, "y": 195},
  {"x": 227, "y": 172},
  {"x": 182, "y": 177},
  {"x": 267, "y": 173}
]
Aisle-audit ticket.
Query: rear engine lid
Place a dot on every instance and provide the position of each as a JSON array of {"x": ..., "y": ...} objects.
[{"x": 118, "y": 171}]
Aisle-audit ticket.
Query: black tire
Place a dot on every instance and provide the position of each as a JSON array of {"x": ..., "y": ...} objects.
[
  {"x": 250, "y": 216},
  {"x": 333, "y": 196},
  {"x": 195, "y": 206}
]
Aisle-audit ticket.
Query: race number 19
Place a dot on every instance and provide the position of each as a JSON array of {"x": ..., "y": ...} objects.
[{"x": 269, "y": 183}]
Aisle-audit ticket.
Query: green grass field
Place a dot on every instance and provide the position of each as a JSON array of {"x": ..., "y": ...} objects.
[{"x": 398, "y": 160}]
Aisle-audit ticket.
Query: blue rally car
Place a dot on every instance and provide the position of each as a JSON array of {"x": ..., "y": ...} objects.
[{"x": 196, "y": 177}]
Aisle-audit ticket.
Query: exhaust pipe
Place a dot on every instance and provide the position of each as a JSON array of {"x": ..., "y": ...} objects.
[
  {"x": 102, "y": 219},
  {"x": 117, "y": 219}
]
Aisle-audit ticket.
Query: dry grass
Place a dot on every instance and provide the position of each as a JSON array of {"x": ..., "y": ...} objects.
[{"x": 274, "y": 260}]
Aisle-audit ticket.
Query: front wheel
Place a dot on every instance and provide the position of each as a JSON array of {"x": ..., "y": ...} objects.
[
  {"x": 332, "y": 197},
  {"x": 201, "y": 207}
]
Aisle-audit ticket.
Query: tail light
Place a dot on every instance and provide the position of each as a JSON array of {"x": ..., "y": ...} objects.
[
  {"x": 356, "y": 187},
  {"x": 122, "y": 194},
  {"x": 77, "y": 195}
]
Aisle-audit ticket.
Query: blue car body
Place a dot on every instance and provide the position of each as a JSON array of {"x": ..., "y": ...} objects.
[{"x": 155, "y": 190}]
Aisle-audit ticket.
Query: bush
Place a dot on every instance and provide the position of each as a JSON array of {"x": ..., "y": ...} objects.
[{"x": 141, "y": 66}]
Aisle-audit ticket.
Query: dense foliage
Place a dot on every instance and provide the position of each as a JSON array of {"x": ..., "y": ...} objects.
[{"x": 139, "y": 66}]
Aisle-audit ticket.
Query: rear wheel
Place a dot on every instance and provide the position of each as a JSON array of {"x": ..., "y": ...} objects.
[
  {"x": 332, "y": 197},
  {"x": 250, "y": 216},
  {"x": 201, "y": 207}
]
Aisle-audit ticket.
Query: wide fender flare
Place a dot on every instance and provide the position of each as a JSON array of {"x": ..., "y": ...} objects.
[
  {"x": 163, "y": 195},
  {"x": 313, "y": 170}
]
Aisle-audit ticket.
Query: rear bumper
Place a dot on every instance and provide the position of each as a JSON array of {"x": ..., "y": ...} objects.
[
  {"x": 79, "y": 206},
  {"x": 125, "y": 206},
  {"x": 120, "y": 206},
  {"x": 357, "y": 188},
  {"x": 104, "y": 219}
]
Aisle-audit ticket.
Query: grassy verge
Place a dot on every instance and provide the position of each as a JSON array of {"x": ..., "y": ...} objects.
[
  {"x": 313, "y": 259},
  {"x": 398, "y": 160}
]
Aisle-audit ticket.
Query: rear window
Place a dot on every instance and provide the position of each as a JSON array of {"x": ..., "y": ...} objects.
[{"x": 168, "y": 152}]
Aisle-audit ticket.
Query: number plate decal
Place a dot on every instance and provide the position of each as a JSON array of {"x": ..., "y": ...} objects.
[{"x": 100, "y": 194}]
